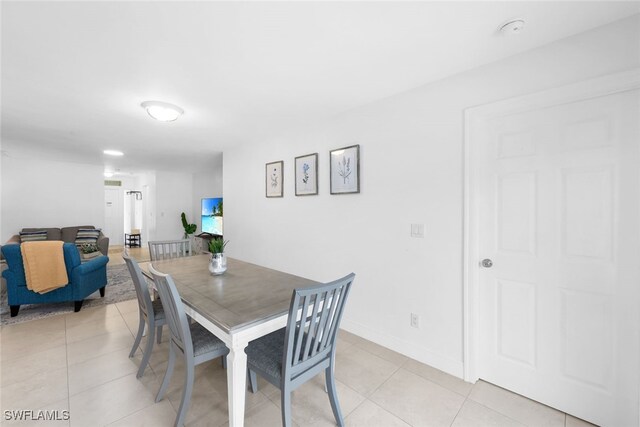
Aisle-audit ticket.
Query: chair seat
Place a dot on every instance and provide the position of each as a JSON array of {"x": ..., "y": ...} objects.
[
  {"x": 204, "y": 341},
  {"x": 158, "y": 310},
  {"x": 265, "y": 353}
]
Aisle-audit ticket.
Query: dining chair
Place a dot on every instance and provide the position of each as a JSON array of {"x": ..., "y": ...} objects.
[
  {"x": 165, "y": 249},
  {"x": 151, "y": 314},
  {"x": 193, "y": 341},
  {"x": 291, "y": 356}
]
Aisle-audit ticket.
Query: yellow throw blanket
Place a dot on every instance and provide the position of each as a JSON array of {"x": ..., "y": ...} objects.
[{"x": 44, "y": 265}]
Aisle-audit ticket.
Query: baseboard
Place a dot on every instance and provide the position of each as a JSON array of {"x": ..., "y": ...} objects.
[{"x": 421, "y": 354}]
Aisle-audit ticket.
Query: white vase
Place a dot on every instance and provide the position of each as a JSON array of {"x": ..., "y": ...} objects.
[{"x": 218, "y": 264}]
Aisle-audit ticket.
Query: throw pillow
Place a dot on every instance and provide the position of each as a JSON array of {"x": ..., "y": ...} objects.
[
  {"x": 87, "y": 235},
  {"x": 33, "y": 236}
]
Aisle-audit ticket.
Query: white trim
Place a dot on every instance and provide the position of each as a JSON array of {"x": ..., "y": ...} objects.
[{"x": 473, "y": 119}]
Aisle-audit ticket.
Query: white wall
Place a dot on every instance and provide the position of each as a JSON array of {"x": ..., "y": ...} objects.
[
  {"x": 412, "y": 172},
  {"x": 206, "y": 184},
  {"x": 42, "y": 193},
  {"x": 173, "y": 195}
]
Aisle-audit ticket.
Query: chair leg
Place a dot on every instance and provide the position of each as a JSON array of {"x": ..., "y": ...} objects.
[
  {"x": 253, "y": 381},
  {"x": 77, "y": 305},
  {"x": 159, "y": 333},
  {"x": 147, "y": 353},
  {"x": 285, "y": 406},
  {"x": 136, "y": 343},
  {"x": 333, "y": 396},
  {"x": 102, "y": 291},
  {"x": 167, "y": 375},
  {"x": 186, "y": 393},
  {"x": 14, "y": 310}
]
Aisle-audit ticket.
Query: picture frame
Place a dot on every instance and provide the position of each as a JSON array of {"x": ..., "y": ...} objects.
[
  {"x": 306, "y": 174},
  {"x": 344, "y": 170},
  {"x": 273, "y": 179}
]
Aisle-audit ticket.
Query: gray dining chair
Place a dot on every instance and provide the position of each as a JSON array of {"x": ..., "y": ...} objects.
[
  {"x": 151, "y": 314},
  {"x": 291, "y": 356},
  {"x": 165, "y": 249},
  {"x": 195, "y": 343}
]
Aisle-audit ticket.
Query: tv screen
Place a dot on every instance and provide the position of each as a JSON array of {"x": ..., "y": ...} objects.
[{"x": 212, "y": 215}]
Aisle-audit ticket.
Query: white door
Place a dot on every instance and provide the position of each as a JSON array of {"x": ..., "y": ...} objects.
[
  {"x": 113, "y": 216},
  {"x": 558, "y": 216}
]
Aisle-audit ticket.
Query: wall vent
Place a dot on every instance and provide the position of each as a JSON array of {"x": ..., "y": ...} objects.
[{"x": 113, "y": 183}]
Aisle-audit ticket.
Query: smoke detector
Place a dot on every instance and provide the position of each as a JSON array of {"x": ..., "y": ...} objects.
[{"x": 512, "y": 27}]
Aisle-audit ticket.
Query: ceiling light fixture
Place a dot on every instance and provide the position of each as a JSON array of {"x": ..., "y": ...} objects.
[
  {"x": 162, "y": 111},
  {"x": 113, "y": 153},
  {"x": 108, "y": 174},
  {"x": 514, "y": 26}
]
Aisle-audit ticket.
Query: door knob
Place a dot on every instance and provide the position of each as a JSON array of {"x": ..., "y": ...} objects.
[{"x": 486, "y": 263}]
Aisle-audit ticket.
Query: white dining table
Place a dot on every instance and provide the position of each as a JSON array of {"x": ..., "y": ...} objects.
[{"x": 246, "y": 302}]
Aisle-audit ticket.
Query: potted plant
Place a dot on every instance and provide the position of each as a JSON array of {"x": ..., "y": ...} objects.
[
  {"x": 89, "y": 250},
  {"x": 189, "y": 229},
  {"x": 218, "y": 264}
]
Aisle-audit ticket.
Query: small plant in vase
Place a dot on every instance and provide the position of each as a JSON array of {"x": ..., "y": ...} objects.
[
  {"x": 189, "y": 229},
  {"x": 89, "y": 250},
  {"x": 218, "y": 264}
]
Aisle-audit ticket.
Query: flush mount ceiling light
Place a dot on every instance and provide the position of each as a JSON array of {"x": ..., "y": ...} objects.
[
  {"x": 162, "y": 111},
  {"x": 113, "y": 153},
  {"x": 514, "y": 26},
  {"x": 108, "y": 174}
]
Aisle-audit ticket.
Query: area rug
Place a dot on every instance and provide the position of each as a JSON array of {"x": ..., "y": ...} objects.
[{"x": 119, "y": 288}]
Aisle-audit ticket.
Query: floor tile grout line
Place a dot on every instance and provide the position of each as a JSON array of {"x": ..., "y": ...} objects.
[
  {"x": 66, "y": 356},
  {"x": 458, "y": 413},
  {"x": 499, "y": 412}
]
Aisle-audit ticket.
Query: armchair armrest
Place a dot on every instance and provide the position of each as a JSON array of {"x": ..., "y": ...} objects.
[{"x": 89, "y": 267}]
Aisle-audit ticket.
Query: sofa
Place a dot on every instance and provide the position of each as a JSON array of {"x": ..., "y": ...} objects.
[
  {"x": 84, "y": 279},
  {"x": 66, "y": 234}
]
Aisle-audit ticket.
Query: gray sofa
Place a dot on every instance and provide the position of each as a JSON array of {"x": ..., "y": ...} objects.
[{"x": 66, "y": 234}]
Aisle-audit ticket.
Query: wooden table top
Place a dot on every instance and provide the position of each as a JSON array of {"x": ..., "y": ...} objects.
[{"x": 245, "y": 295}]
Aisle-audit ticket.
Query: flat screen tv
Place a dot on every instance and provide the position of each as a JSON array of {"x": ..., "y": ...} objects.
[{"x": 211, "y": 215}]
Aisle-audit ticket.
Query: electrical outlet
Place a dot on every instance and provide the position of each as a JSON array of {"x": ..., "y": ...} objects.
[{"x": 415, "y": 320}]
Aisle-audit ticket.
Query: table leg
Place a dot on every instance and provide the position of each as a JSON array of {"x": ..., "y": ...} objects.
[{"x": 236, "y": 383}]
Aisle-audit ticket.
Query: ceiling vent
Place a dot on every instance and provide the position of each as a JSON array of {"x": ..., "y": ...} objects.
[{"x": 112, "y": 183}]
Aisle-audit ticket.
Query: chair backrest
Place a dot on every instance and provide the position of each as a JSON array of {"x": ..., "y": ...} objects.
[
  {"x": 139, "y": 282},
  {"x": 173, "y": 311},
  {"x": 15, "y": 263},
  {"x": 165, "y": 249},
  {"x": 314, "y": 319}
]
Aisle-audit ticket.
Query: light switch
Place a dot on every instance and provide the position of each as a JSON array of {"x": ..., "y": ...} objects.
[{"x": 417, "y": 230}]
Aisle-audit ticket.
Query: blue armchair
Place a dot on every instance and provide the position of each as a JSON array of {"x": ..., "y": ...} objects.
[{"x": 84, "y": 279}]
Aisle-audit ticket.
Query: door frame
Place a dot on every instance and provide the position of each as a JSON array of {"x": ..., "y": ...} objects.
[{"x": 475, "y": 119}]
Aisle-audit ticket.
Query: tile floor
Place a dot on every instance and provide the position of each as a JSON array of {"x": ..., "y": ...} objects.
[{"x": 79, "y": 362}]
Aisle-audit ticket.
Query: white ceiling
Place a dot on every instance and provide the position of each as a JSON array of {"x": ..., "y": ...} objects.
[{"x": 74, "y": 73}]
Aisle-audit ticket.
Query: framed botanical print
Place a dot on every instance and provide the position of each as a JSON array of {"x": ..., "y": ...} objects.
[
  {"x": 306, "y": 175},
  {"x": 273, "y": 179},
  {"x": 344, "y": 165}
]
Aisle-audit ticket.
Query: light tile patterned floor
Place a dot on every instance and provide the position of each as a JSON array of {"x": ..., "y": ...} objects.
[{"x": 79, "y": 362}]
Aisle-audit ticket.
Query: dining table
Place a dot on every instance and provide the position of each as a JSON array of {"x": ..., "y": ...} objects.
[{"x": 246, "y": 302}]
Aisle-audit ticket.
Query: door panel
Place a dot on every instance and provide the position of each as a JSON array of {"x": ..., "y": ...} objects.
[
  {"x": 114, "y": 216},
  {"x": 558, "y": 213}
]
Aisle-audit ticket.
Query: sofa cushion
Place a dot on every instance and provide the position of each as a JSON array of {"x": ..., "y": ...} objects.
[
  {"x": 52, "y": 233},
  {"x": 33, "y": 236},
  {"x": 87, "y": 235},
  {"x": 69, "y": 233}
]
